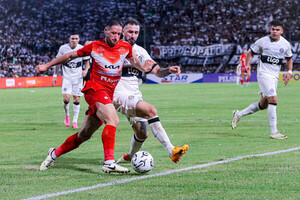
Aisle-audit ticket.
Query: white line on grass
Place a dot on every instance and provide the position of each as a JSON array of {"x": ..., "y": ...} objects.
[
  {"x": 158, "y": 174},
  {"x": 166, "y": 120}
]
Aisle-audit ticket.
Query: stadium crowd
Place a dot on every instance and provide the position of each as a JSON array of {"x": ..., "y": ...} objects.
[{"x": 32, "y": 31}]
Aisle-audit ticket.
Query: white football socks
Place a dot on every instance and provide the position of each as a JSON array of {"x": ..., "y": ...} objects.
[
  {"x": 272, "y": 118},
  {"x": 135, "y": 145},
  {"x": 76, "y": 110},
  {"x": 160, "y": 133},
  {"x": 252, "y": 108}
]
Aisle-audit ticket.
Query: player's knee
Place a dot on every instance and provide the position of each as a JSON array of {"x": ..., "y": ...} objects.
[
  {"x": 113, "y": 121},
  {"x": 152, "y": 112},
  {"x": 263, "y": 106}
]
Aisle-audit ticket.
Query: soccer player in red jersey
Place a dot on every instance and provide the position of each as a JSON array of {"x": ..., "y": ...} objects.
[
  {"x": 244, "y": 70},
  {"x": 108, "y": 56}
]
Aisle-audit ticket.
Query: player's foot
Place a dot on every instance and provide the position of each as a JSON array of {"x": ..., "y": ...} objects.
[
  {"x": 247, "y": 84},
  {"x": 235, "y": 119},
  {"x": 67, "y": 121},
  {"x": 49, "y": 161},
  {"x": 124, "y": 158},
  {"x": 242, "y": 85},
  {"x": 278, "y": 136},
  {"x": 178, "y": 152},
  {"x": 114, "y": 168},
  {"x": 74, "y": 125}
]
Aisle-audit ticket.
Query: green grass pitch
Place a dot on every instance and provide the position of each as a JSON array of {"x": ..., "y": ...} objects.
[{"x": 31, "y": 121}]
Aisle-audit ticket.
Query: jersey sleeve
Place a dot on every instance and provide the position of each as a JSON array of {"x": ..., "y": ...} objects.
[
  {"x": 288, "y": 53},
  {"x": 146, "y": 55},
  {"x": 255, "y": 48},
  {"x": 85, "y": 51},
  {"x": 60, "y": 52}
]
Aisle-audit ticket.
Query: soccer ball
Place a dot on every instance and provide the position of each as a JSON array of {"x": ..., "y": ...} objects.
[{"x": 142, "y": 162}]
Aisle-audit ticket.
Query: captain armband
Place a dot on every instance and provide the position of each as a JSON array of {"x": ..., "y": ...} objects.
[{"x": 153, "y": 66}]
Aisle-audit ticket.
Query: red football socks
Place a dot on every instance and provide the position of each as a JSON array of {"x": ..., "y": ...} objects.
[
  {"x": 108, "y": 140},
  {"x": 71, "y": 143}
]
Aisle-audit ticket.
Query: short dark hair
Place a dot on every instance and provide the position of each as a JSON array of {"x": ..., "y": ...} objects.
[
  {"x": 276, "y": 23},
  {"x": 114, "y": 21},
  {"x": 131, "y": 21}
]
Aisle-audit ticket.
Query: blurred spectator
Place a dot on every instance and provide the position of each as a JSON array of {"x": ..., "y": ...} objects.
[{"x": 31, "y": 31}]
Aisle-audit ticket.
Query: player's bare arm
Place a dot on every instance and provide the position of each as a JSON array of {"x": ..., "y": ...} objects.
[
  {"x": 60, "y": 60},
  {"x": 248, "y": 59},
  {"x": 54, "y": 79},
  {"x": 288, "y": 76},
  {"x": 163, "y": 72}
]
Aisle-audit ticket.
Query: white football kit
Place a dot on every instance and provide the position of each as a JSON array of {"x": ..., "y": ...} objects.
[
  {"x": 72, "y": 71},
  {"x": 127, "y": 93},
  {"x": 272, "y": 54}
]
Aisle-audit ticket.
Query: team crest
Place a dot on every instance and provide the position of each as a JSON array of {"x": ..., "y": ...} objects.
[{"x": 281, "y": 50}]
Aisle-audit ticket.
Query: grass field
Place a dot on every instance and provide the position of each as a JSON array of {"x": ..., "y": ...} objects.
[{"x": 31, "y": 121}]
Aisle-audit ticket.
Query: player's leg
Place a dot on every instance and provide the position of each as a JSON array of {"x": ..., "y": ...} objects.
[
  {"x": 148, "y": 111},
  {"x": 66, "y": 91},
  {"x": 242, "y": 76},
  {"x": 252, "y": 108},
  {"x": 76, "y": 92},
  {"x": 89, "y": 126},
  {"x": 107, "y": 114},
  {"x": 238, "y": 79},
  {"x": 76, "y": 110},
  {"x": 248, "y": 75},
  {"x": 140, "y": 128}
]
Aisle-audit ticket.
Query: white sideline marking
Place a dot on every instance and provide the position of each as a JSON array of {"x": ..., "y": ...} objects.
[
  {"x": 158, "y": 174},
  {"x": 166, "y": 120}
]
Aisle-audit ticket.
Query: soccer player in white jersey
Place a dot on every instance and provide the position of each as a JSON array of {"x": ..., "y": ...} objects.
[
  {"x": 272, "y": 49},
  {"x": 73, "y": 74},
  {"x": 128, "y": 99}
]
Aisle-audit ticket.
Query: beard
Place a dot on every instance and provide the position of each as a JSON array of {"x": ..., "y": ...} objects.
[{"x": 130, "y": 41}]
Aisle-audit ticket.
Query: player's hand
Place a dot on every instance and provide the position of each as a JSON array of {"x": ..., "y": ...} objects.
[
  {"x": 54, "y": 81},
  {"x": 41, "y": 68},
  {"x": 175, "y": 70},
  {"x": 287, "y": 77}
]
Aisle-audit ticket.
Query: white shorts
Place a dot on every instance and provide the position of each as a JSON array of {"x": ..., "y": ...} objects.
[
  {"x": 267, "y": 84},
  {"x": 126, "y": 96},
  {"x": 72, "y": 86}
]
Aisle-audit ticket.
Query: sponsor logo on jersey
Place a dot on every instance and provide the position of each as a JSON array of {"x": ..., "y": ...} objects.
[
  {"x": 273, "y": 60},
  {"x": 109, "y": 80},
  {"x": 112, "y": 66}
]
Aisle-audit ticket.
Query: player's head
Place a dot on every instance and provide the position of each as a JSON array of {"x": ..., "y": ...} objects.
[
  {"x": 113, "y": 31},
  {"x": 131, "y": 30},
  {"x": 74, "y": 39},
  {"x": 276, "y": 29},
  {"x": 245, "y": 51}
]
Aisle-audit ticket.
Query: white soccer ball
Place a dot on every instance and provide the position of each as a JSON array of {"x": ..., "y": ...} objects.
[{"x": 142, "y": 162}]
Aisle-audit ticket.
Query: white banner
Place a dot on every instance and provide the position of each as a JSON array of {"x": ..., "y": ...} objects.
[{"x": 173, "y": 79}]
